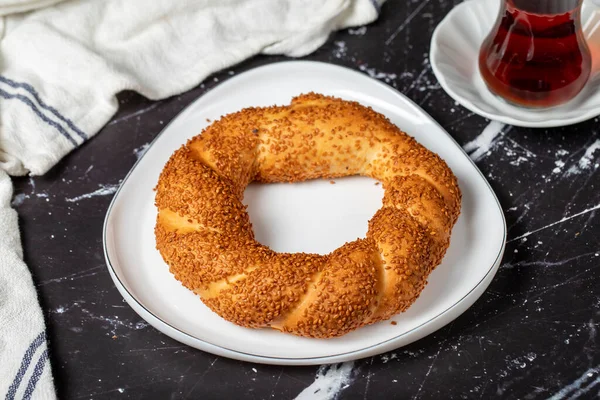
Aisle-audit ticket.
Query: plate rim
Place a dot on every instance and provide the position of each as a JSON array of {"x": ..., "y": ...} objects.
[
  {"x": 469, "y": 105},
  {"x": 346, "y": 356}
]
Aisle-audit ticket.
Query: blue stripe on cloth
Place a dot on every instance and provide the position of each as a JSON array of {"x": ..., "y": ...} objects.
[
  {"x": 42, "y": 104},
  {"x": 377, "y": 6},
  {"x": 37, "y": 342},
  {"x": 35, "y": 377},
  {"x": 28, "y": 102}
]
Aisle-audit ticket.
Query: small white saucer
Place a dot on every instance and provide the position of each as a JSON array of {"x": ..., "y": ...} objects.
[{"x": 454, "y": 59}]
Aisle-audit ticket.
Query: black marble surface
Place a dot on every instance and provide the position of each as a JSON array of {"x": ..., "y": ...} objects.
[{"x": 532, "y": 334}]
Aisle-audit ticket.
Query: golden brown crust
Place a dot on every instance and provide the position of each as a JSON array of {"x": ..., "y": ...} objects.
[{"x": 204, "y": 234}]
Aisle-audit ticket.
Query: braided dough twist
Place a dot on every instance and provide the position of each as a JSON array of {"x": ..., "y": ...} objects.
[{"x": 204, "y": 233}]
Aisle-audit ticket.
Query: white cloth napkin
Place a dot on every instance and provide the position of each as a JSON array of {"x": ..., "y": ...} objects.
[
  {"x": 61, "y": 68},
  {"x": 24, "y": 367},
  {"x": 18, "y": 6}
]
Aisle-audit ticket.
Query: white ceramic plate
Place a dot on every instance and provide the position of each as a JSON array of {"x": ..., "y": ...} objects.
[
  {"x": 314, "y": 216},
  {"x": 454, "y": 59}
]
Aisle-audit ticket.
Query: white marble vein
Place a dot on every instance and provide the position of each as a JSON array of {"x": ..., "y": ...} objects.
[
  {"x": 134, "y": 114},
  {"x": 588, "y": 210},
  {"x": 406, "y": 22},
  {"x": 329, "y": 382},
  {"x": 580, "y": 386},
  {"x": 140, "y": 151},
  {"x": 482, "y": 144},
  {"x": 104, "y": 190},
  {"x": 586, "y": 162}
]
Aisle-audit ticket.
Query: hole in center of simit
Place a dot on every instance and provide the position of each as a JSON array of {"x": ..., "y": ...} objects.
[{"x": 314, "y": 216}]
